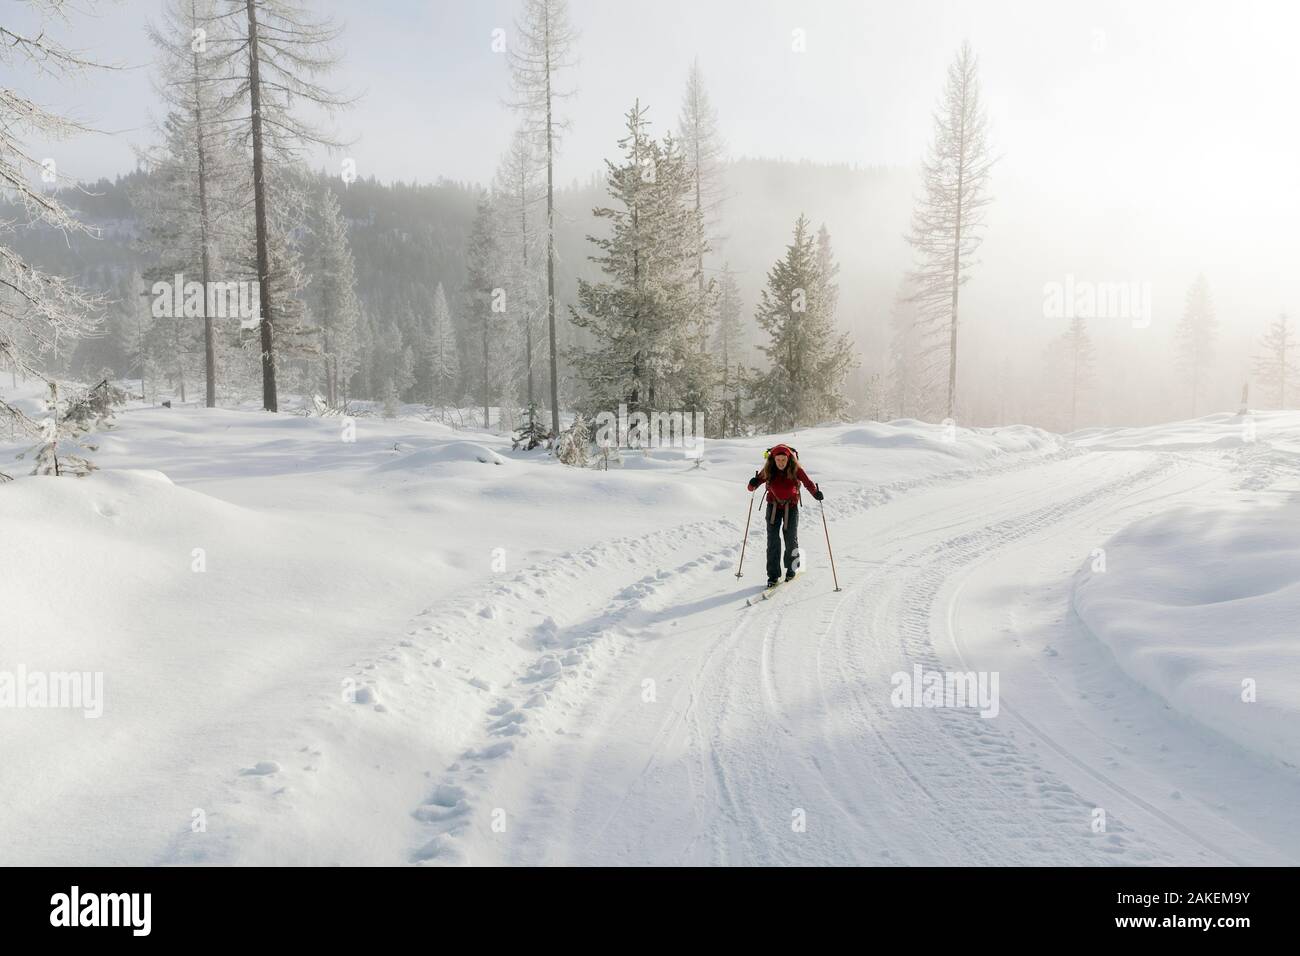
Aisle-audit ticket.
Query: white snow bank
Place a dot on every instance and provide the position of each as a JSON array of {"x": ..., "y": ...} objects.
[
  {"x": 454, "y": 451},
  {"x": 1199, "y": 601},
  {"x": 1279, "y": 430},
  {"x": 321, "y": 540},
  {"x": 209, "y": 623}
]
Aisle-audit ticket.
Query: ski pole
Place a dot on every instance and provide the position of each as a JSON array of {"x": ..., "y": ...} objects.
[
  {"x": 834, "y": 577},
  {"x": 745, "y": 539}
]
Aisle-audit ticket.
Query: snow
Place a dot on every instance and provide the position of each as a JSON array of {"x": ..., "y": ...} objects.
[
  {"x": 1199, "y": 604},
  {"x": 421, "y": 646}
]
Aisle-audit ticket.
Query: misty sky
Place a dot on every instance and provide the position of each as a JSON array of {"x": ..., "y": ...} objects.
[
  {"x": 1138, "y": 140},
  {"x": 1139, "y": 88}
]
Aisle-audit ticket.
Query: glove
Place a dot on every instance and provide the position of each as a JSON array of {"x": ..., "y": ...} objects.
[
  {"x": 755, "y": 481},
  {"x": 818, "y": 494}
]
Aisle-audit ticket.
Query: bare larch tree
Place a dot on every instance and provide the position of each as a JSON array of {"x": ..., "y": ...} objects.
[
  {"x": 948, "y": 217},
  {"x": 544, "y": 48}
]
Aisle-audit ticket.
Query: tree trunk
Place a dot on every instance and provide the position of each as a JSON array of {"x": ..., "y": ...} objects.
[
  {"x": 209, "y": 346},
  {"x": 269, "y": 399},
  {"x": 956, "y": 261},
  {"x": 550, "y": 239}
]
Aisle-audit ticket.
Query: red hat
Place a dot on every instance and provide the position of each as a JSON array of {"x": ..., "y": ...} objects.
[{"x": 780, "y": 450}]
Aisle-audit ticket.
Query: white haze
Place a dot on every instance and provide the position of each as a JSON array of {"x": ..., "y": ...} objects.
[{"x": 1139, "y": 142}]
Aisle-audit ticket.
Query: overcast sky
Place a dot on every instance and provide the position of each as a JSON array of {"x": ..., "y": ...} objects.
[
  {"x": 1138, "y": 139},
  {"x": 1166, "y": 92}
]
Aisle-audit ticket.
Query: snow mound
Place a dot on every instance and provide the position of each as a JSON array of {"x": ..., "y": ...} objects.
[
  {"x": 887, "y": 437},
  {"x": 1276, "y": 429},
  {"x": 456, "y": 451},
  {"x": 1198, "y": 604}
]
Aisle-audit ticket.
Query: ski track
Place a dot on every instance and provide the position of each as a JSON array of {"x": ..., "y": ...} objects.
[
  {"x": 745, "y": 746},
  {"x": 664, "y": 722}
]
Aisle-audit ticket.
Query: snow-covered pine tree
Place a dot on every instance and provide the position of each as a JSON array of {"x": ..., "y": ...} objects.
[
  {"x": 185, "y": 209},
  {"x": 485, "y": 299},
  {"x": 1079, "y": 356},
  {"x": 65, "y": 426},
  {"x": 728, "y": 346},
  {"x": 701, "y": 139},
  {"x": 404, "y": 380},
  {"x": 1195, "y": 336},
  {"x": 1274, "y": 366},
  {"x": 573, "y": 447},
  {"x": 38, "y": 310},
  {"x": 442, "y": 356},
  {"x": 827, "y": 271},
  {"x": 906, "y": 388},
  {"x": 273, "y": 59},
  {"x": 809, "y": 358},
  {"x": 544, "y": 49},
  {"x": 948, "y": 218},
  {"x": 531, "y": 432},
  {"x": 518, "y": 195},
  {"x": 332, "y": 296},
  {"x": 647, "y": 318}
]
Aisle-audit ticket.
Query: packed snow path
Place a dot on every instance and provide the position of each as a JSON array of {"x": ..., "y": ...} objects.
[
  {"x": 349, "y": 682},
  {"x": 760, "y": 714}
]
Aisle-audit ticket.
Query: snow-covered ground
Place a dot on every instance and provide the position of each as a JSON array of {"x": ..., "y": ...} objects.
[{"x": 419, "y": 646}]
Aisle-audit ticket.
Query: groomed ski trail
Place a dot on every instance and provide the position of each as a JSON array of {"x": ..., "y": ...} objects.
[{"x": 720, "y": 729}]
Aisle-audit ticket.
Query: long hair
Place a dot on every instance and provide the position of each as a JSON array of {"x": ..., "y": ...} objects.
[{"x": 791, "y": 466}]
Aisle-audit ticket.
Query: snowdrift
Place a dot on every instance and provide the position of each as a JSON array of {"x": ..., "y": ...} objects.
[
  {"x": 230, "y": 571},
  {"x": 1199, "y": 604}
]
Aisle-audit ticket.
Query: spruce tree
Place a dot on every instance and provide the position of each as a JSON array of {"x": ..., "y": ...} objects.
[
  {"x": 647, "y": 317},
  {"x": 804, "y": 384},
  {"x": 1195, "y": 336},
  {"x": 333, "y": 306},
  {"x": 1079, "y": 358},
  {"x": 442, "y": 355},
  {"x": 485, "y": 302},
  {"x": 1274, "y": 367}
]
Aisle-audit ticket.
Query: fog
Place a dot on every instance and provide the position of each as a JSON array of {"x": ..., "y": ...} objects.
[{"x": 1143, "y": 143}]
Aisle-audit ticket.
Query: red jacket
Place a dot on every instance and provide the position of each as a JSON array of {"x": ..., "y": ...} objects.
[{"x": 781, "y": 489}]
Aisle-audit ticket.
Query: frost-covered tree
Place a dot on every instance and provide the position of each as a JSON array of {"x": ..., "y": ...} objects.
[
  {"x": 543, "y": 51},
  {"x": 702, "y": 143},
  {"x": 187, "y": 208},
  {"x": 1195, "y": 336},
  {"x": 948, "y": 218},
  {"x": 907, "y": 393},
  {"x": 1274, "y": 366},
  {"x": 646, "y": 317},
  {"x": 275, "y": 58},
  {"x": 332, "y": 296},
  {"x": 517, "y": 196},
  {"x": 485, "y": 302},
  {"x": 65, "y": 428},
  {"x": 728, "y": 345},
  {"x": 1079, "y": 355},
  {"x": 804, "y": 384},
  {"x": 573, "y": 446},
  {"x": 441, "y": 355},
  {"x": 38, "y": 310}
]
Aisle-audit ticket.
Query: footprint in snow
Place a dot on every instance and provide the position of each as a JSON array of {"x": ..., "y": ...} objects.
[
  {"x": 491, "y": 752},
  {"x": 261, "y": 769}
]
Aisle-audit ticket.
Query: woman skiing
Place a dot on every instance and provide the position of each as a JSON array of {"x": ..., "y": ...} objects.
[{"x": 782, "y": 475}]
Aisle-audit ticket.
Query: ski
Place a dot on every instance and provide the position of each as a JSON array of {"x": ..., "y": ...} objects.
[{"x": 766, "y": 593}]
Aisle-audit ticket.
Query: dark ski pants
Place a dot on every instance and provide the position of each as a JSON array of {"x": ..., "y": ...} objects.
[{"x": 781, "y": 518}]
